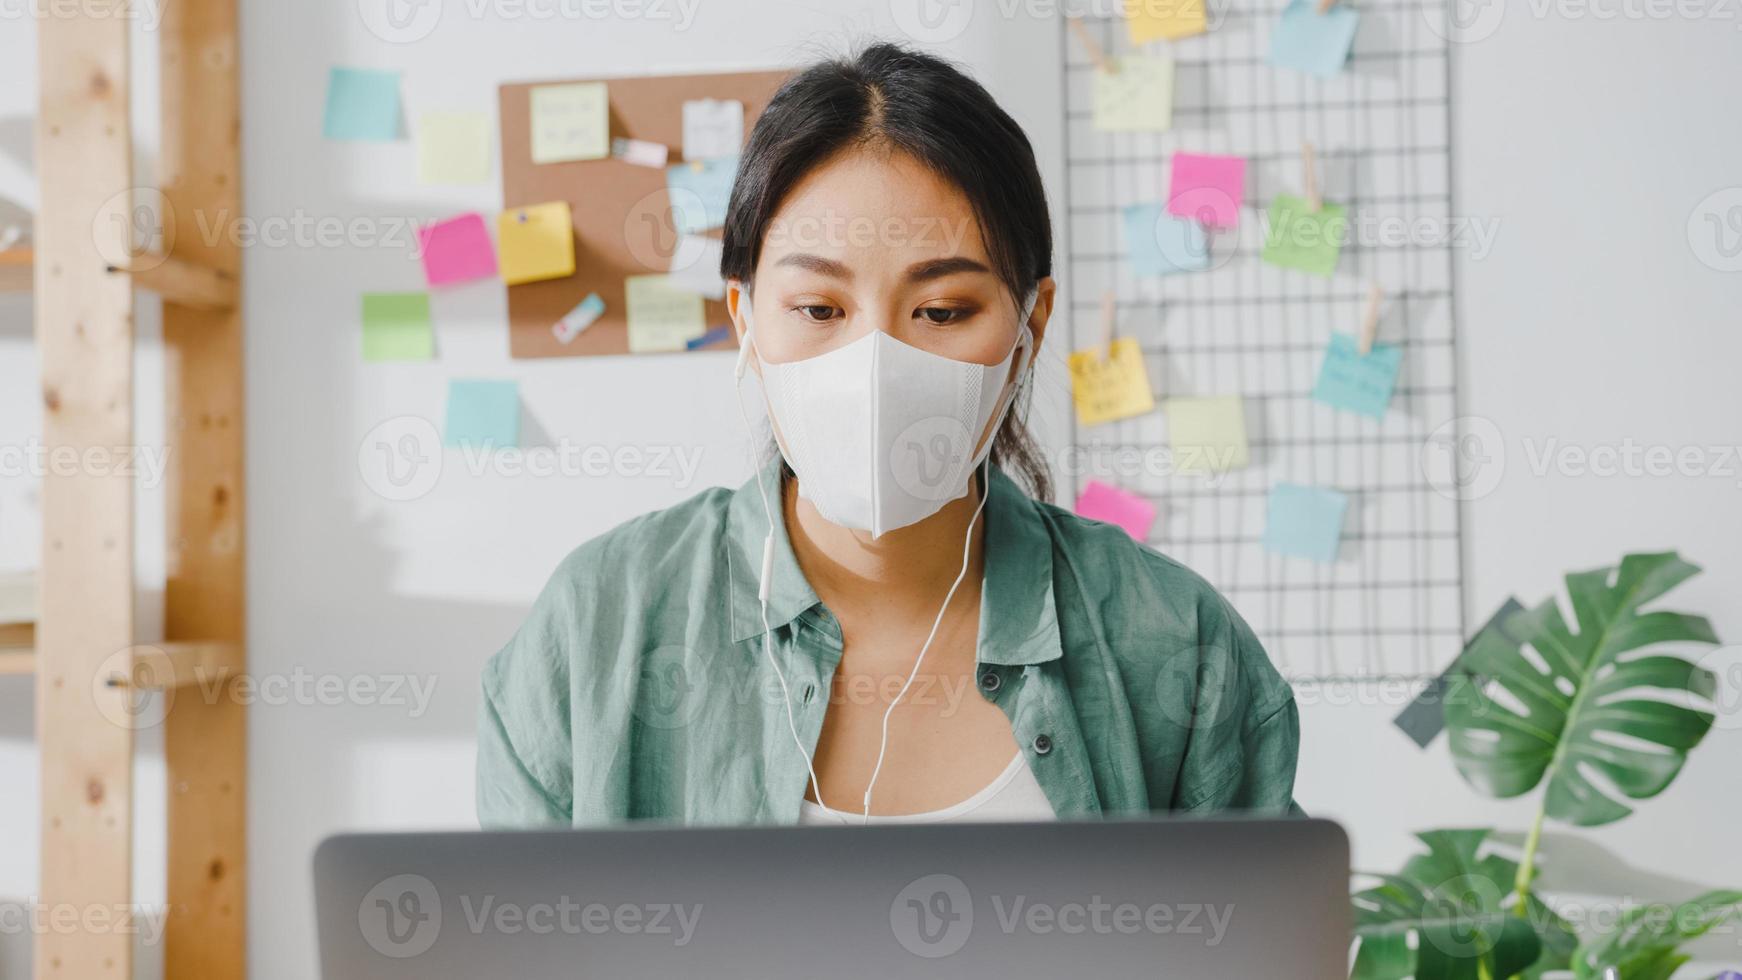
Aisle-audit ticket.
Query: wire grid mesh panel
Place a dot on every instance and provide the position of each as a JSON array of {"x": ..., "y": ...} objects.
[{"x": 1391, "y": 605}]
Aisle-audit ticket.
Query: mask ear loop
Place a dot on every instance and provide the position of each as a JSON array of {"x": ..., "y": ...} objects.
[{"x": 764, "y": 586}]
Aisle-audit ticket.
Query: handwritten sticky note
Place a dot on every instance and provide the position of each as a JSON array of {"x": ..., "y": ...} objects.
[
  {"x": 578, "y": 319},
  {"x": 1355, "y": 383},
  {"x": 1100, "y": 502},
  {"x": 1309, "y": 41},
  {"x": 362, "y": 105},
  {"x": 1208, "y": 435},
  {"x": 535, "y": 243},
  {"x": 1159, "y": 244},
  {"x": 1136, "y": 98},
  {"x": 662, "y": 317},
  {"x": 1300, "y": 238},
  {"x": 1110, "y": 385},
  {"x": 695, "y": 266},
  {"x": 642, "y": 153},
  {"x": 456, "y": 250},
  {"x": 700, "y": 193},
  {"x": 571, "y": 122},
  {"x": 482, "y": 414},
  {"x": 1151, "y": 20},
  {"x": 396, "y": 327},
  {"x": 453, "y": 148},
  {"x": 1305, "y": 522},
  {"x": 1208, "y": 189},
  {"x": 712, "y": 129}
]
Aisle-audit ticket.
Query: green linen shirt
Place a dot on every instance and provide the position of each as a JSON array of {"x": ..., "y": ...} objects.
[{"x": 637, "y": 689}]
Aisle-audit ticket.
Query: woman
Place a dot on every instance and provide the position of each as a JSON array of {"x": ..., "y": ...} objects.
[{"x": 882, "y": 624}]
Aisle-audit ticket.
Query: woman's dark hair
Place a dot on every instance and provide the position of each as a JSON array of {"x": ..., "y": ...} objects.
[{"x": 928, "y": 109}]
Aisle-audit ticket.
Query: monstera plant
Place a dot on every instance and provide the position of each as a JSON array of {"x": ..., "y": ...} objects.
[{"x": 1598, "y": 713}]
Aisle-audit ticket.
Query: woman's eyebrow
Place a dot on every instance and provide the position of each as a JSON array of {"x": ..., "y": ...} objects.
[
  {"x": 939, "y": 268},
  {"x": 817, "y": 264}
]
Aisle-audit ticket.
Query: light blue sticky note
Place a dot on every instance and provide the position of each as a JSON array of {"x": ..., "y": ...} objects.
[
  {"x": 1355, "y": 383},
  {"x": 1305, "y": 522},
  {"x": 1309, "y": 41},
  {"x": 362, "y": 105},
  {"x": 483, "y": 414},
  {"x": 699, "y": 193},
  {"x": 1160, "y": 244}
]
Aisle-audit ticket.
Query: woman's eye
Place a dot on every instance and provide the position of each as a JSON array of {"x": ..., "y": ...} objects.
[
  {"x": 941, "y": 315},
  {"x": 817, "y": 314}
]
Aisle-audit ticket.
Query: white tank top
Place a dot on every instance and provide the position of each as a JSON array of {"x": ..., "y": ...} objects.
[{"x": 1012, "y": 797}]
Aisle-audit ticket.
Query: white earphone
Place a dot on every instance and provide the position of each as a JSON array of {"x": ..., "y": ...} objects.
[{"x": 765, "y": 582}]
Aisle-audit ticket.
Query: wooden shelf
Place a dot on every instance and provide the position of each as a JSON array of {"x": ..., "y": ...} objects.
[
  {"x": 16, "y": 265},
  {"x": 17, "y": 661}
]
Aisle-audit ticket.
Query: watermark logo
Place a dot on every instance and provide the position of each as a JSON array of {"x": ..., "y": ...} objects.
[
  {"x": 1464, "y": 21},
  {"x": 933, "y": 916},
  {"x": 927, "y": 455},
  {"x": 932, "y": 21},
  {"x": 1715, "y": 231},
  {"x": 401, "y": 917},
  {"x": 400, "y": 21},
  {"x": 134, "y": 688},
  {"x": 135, "y": 229},
  {"x": 1464, "y": 459},
  {"x": 1725, "y": 664},
  {"x": 400, "y": 460}
]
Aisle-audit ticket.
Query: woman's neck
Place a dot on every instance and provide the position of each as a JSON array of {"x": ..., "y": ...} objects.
[{"x": 905, "y": 573}]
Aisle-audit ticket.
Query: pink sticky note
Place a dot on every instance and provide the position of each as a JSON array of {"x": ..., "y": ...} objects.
[
  {"x": 1100, "y": 502},
  {"x": 457, "y": 250},
  {"x": 1208, "y": 188}
]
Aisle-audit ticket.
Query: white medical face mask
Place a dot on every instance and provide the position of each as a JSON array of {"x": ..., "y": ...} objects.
[{"x": 882, "y": 434}]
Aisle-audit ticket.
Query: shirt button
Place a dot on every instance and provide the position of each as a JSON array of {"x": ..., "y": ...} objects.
[
  {"x": 990, "y": 681},
  {"x": 1042, "y": 744}
]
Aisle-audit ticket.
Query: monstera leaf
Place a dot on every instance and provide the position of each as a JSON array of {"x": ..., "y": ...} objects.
[
  {"x": 1456, "y": 904},
  {"x": 1645, "y": 944},
  {"x": 1584, "y": 709}
]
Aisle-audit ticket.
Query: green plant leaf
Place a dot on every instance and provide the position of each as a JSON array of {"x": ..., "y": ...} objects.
[
  {"x": 1585, "y": 714},
  {"x": 1455, "y": 901},
  {"x": 1646, "y": 941}
]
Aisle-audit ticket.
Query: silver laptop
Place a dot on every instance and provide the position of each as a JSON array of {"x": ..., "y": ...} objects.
[{"x": 1149, "y": 898}]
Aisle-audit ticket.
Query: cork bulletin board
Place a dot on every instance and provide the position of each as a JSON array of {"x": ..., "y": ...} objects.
[{"x": 624, "y": 224}]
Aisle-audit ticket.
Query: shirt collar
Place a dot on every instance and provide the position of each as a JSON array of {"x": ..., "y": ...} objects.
[{"x": 1018, "y": 618}]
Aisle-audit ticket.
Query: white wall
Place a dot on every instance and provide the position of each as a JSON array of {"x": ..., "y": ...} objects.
[{"x": 1592, "y": 141}]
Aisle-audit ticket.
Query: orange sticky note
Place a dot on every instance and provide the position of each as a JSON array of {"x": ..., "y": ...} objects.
[
  {"x": 1150, "y": 20},
  {"x": 1111, "y": 387},
  {"x": 535, "y": 243}
]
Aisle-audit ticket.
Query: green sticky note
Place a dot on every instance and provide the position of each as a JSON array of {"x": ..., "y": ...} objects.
[
  {"x": 1136, "y": 98},
  {"x": 362, "y": 105},
  {"x": 1300, "y": 238},
  {"x": 453, "y": 148},
  {"x": 482, "y": 414},
  {"x": 571, "y": 122},
  {"x": 662, "y": 315},
  {"x": 396, "y": 327}
]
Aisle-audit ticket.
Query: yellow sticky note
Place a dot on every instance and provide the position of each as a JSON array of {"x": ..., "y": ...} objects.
[
  {"x": 1136, "y": 98},
  {"x": 662, "y": 315},
  {"x": 571, "y": 122},
  {"x": 1150, "y": 20},
  {"x": 453, "y": 148},
  {"x": 535, "y": 243},
  {"x": 1110, "y": 387},
  {"x": 1208, "y": 435}
]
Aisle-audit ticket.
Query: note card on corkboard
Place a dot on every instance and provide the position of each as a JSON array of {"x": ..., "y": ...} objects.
[{"x": 624, "y": 220}]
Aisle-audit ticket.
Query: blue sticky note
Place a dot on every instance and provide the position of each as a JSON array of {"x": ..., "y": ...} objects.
[
  {"x": 362, "y": 105},
  {"x": 1358, "y": 384},
  {"x": 483, "y": 414},
  {"x": 1305, "y": 522},
  {"x": 713, "y": 336},
  {"x": 699, "y": 193},
  {"x": 1161, "y": 244},
  {"x": 1309, "y": 41}
]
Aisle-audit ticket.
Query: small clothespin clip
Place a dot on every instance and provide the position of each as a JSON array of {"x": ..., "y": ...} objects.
[
  {"x": 1109, "y": 323},
  {"x": 1370, "y": 322},
  {"x": 1326, "y": 5},
  {"x": 1309, "y": 164},
  {"x": 1102, "y": 63}
]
